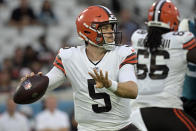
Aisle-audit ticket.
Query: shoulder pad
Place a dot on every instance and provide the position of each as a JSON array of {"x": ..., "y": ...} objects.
[
  {"x": 141, "y": 32},
  {"x": 127, "y": 55},
  {"x": 125, "y": 50},
  {"x": 185, "y": 36},
  {"x": 138, "y": 37},
  {"x": 66, "y": 53},
  {"x": 63, "y": 54},
  {"x": 180, "y": 38},
  {"x": 189, "y": 41}
]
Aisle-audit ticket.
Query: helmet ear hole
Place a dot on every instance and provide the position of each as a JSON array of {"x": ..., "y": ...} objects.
[
  {"x": 87, "y": 32},
  {"x": 98, "y": 39}
]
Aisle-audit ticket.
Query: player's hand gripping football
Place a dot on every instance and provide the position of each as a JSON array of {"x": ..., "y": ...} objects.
[
  {"x": 29, "y": 75},
  {"x": 31, "y": 88},
  {"x": 100, "y": 79}
]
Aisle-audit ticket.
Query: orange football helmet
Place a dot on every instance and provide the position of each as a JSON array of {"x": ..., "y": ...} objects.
[
  {"x": 90, "y": 20},
  {"x": 163, "y": 13}
]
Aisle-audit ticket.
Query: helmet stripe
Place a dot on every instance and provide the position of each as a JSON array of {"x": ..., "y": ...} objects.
[
  {"x": 159, "y": 16},
  {"x": 106, "y": 9},
  {"x": 158, "y": 8},
  {"x": 111, "y": 17},
  {"x": 154, "y": 11}
]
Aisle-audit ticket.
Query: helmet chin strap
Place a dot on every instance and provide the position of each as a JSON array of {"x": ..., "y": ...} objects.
[{"x": 109, "y": 46}]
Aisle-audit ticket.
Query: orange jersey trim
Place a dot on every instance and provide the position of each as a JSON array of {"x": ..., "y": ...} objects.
[
  {"x": 131, "y": 59},
  {"x": 187, "y": 119},
  {"x": 55, "y": 64},
  {"x": 190, "y": 44},
  {"x": 188, "y": 124},
  {"x": 58, "y": 63}
]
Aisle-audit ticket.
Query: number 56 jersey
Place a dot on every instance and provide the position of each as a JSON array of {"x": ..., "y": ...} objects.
[
  {"x": 161, "y": 74},
  {"x": 96, "y": 109}
]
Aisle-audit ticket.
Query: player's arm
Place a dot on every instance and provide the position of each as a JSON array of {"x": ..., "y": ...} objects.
[
  {"x": 127, "y": 85},
  {"x": 187, "y": 25},
  {"x": 190, "y": 45},
  {"x": 56, "y": 78},
  {"x": 191, "y": 55},
  {"x": 127, "y": 89},
  {"x": 57, "y": 73}
]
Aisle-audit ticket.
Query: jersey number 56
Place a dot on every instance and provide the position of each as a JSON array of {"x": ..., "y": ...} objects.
[{"x": 153, "y": 67}]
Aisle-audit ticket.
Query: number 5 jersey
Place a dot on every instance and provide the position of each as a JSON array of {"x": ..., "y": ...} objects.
[
  {"x": 96, "y": 109},
  {"x": 161, "y": 73}
]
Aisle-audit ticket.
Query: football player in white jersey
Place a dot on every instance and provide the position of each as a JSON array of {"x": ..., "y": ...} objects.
[
  {"x": 102, "y": 74},
  {"x": 162, "y": 53},
  {"x": 189, "y": 90}
]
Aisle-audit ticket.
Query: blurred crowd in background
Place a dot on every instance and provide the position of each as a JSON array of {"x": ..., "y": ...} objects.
[{"x": 32, "y": 32}]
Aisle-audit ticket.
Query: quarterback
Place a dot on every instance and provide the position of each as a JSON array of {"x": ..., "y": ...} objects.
[{"x": 102, "y": 74}]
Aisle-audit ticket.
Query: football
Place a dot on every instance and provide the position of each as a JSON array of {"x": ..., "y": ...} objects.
[{"x": 31, "y": 90}]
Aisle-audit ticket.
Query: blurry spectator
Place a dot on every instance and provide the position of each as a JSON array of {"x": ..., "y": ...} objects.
[
  {"x": 43, "y": 44},
  {"x": 11, "y": 120},
  {"x": 12, "y": 66},
  {"x": 5, "y": 81},
  {"x": 47, "y": 16},
  {"x": 36, "y": 66},
  {"x": 4, "y": 12},
  {"x": 52, "y": 119},
  {"x": 2, "y": 2},
  {"x": 18, "y": 57},
  {"x": 194, "y": 6},
  {"x": 127, "y": 26},
  {"x": 7, "y": 64},
  {"x": 46, "y": 55},
  {"x": 17, "y": 62},
  {"x": 23, "y": 15},
  {"x": 30, "y": 55},
  {"x": 27, "y": 111},
  {"x": 116, "y": 6}
]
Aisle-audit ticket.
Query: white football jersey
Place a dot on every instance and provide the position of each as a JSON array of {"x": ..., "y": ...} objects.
[
  {"x": 96, "y": 109},
  {"x": 161, "y": 75}
]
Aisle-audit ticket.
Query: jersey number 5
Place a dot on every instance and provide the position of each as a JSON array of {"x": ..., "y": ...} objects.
[
  {"x": 95, "y": 96},
  {"x": 153, "y": 66}
]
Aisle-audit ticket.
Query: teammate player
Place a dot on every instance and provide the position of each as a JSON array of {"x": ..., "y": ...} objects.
[
  {"x": 162, "y": 63},
  {"x": 102, "y": 74},
  {"x": 189, "y": 90}
]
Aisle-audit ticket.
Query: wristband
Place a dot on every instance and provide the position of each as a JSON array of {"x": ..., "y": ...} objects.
[{"x": 114, "y": 86}]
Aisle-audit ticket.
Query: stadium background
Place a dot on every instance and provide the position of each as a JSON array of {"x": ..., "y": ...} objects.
[{"x": 17, "y": 41}]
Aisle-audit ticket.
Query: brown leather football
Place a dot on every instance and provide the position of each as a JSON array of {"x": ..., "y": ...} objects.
[{"x": 31, "y": 90}]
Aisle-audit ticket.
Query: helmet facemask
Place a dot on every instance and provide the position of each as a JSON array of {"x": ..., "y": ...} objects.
[{"x": 103, "y": 36}]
